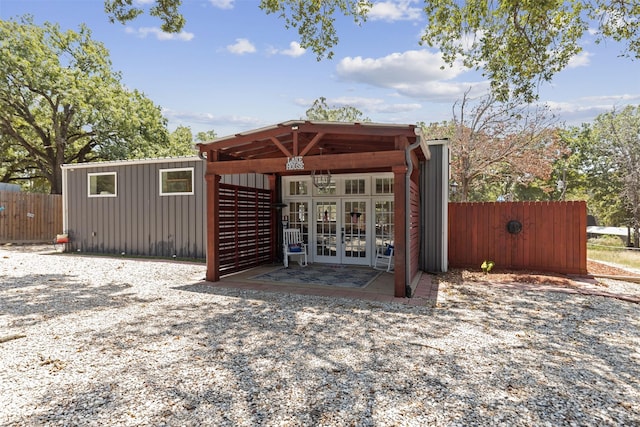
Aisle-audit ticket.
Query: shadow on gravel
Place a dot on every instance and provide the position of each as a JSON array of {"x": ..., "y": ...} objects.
[
  {"x": 30, "y": 298},
  {"x": 254, "y": 358}
]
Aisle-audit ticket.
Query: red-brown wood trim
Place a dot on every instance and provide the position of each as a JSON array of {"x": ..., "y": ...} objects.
[
  {"x": 295, "y": 142},
  {"x": 357, "y": 129},
  {"x": 281, "y": 147},
  {"x": 213, "y": 225},
  {"x": 399, "y": 251},
  {"x": 274, "y": 219},
  {"x": 378, "y": 159},
  {"x": 312, "y": 143},
  {"x": 239, "y": 139}
]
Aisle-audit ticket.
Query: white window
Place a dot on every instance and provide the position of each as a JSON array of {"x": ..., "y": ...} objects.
[
  {"x": 103, "y": 184},
  {"x": 174, "y": 182},
  {"x": 355, "y": 186},
  {"x": 384, "y": 185},
  {"x": 298, "y": 188}
]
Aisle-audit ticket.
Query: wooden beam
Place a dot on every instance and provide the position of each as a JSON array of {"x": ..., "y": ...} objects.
[
  {"x": 274, "y": 219},
  {"x": 242, "y": 139},
  {"x": 358, "y": 129},
  {"x": 312, "y": 143},
  {"x": 282, "y": 148},
  {"x": 213, "y": 227},
  {"x": 378, "y": 159}
]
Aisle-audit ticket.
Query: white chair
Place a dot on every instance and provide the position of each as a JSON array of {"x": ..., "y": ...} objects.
[
  {"x": 294, "y": 245},
  {"x": 384, "y": 258}
]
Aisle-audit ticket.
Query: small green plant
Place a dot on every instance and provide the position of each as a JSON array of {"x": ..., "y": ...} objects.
[{"x": 487, "y": 266}]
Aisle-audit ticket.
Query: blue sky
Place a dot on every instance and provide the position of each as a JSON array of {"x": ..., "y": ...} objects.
[{"x": 234, "y": 68}]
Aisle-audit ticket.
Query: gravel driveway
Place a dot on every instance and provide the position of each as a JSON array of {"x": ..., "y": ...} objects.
[{"x": 120, "y": 342}]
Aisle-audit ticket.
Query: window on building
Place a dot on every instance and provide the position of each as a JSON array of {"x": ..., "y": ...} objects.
[
  {"x": 354, "y": 186},
  {"x": 298, "y": 188},
  {"x": 384, "y": 185},
  {"x": 103, "y": 184},
  {"x": 176, "y": 181}
]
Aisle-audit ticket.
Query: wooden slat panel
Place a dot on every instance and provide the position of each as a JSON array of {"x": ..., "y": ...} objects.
[
  {"x": 553, "y": 236},
  {"x": 29, "y": 217},
  {"x": 244, "y": 232}
]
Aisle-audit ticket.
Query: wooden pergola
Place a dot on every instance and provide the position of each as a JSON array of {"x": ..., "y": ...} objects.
[{"x": 300, "y": 147}]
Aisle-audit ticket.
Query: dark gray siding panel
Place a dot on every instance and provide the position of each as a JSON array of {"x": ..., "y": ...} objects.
[
  {"x": 435, "y": 198},
  {"x": 138, "y": 221}
]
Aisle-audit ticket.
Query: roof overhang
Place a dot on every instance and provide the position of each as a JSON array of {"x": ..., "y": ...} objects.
[{"x": 341, "y": 145}]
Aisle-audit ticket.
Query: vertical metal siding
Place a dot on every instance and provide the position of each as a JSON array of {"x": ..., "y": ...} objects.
[
  {"x": 435, "y": 197},
  {"x": 139, "y": 221}
]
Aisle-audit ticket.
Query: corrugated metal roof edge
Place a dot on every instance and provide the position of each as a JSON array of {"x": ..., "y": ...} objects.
[{"x": 130, "y": 162}]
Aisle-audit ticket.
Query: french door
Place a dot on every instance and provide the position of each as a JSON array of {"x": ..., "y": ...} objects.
[{"x": 342, "y": 231}]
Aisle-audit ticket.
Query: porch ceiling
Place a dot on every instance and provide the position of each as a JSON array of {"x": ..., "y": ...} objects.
[{"x": 308, "y": 139}]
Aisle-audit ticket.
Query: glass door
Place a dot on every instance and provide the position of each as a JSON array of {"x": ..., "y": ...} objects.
[
  {"x": 329, "y": 237},
  {"x": 342, "y": 232},
  {"x": 355, "y": 229}
]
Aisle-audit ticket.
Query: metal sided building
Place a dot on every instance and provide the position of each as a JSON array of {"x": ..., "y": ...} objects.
[{"x": 151, "y": 207}]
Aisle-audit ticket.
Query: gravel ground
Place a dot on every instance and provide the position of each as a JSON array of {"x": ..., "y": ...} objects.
[{"x": 119, "y": 342}]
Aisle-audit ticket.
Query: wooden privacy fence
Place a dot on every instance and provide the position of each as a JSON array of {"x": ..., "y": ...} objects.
[
  {"x": 542, "y": 236},
  {"x": 29, "y": 217}
]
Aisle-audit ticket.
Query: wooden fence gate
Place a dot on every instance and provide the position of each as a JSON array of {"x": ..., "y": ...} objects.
[
  {"x": 29, "y": 217},
  {"x": 542, "y": 236}
]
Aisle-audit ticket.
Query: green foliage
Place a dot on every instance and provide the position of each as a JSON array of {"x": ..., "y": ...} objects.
[
  {"x": 322, "y": 112},
  {"x": 168, "y": 11},
  {"x": 487, "y": 266},
  {"x": 209, "y": 135},
  {"x": 60, "y": 102},
  {"x": 314, "y": 20},
  {"x": 617, "y": 140},
  {"x": 516, "y": 43}
]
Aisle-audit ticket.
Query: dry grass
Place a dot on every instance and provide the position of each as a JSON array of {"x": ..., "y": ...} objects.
[{"x": 623, "y": 256}]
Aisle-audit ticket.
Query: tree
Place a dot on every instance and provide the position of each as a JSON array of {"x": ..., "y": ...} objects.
[
  {"x": 206, "y": 136},
  {"x": 60, "y": 102},
  {"x": 518, "y": 44},
  {"x": 617, "y": 140},
  {"x": 180, "y": 143},
  {"x": 322, "y": 112},
  {"x": 497, "y": 146}
]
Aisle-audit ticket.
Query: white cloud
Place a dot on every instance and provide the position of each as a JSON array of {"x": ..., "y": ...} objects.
[
  {"x": 580, "y": 60},
  {"x": 143, "y": 32},
  {"x": 222, "y": 4},
  {"x": 415, "y": 73},
  {"x": 241, "y": 46},
  {"x": 212, "y": 120},
  {"x": 409, "y": 67},
  {"x": 394, "y": 11},
  {"x": 294, "y": 50},
  {"x": 586, "y": 109}
]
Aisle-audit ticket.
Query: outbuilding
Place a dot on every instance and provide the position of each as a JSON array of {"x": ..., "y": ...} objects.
[
  {"x": 148, "y": 207},
  {"x": 349, "y": 187}
]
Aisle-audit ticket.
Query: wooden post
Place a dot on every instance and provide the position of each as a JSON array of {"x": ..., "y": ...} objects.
[
  {"x": 213, "y": 227},
  {"x": 400, "y": 250},
  {"x": 274, "y": 218}
]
